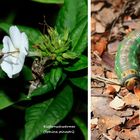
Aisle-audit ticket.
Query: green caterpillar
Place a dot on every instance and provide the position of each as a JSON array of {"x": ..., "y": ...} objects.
[{"x": 127, "y": 63}]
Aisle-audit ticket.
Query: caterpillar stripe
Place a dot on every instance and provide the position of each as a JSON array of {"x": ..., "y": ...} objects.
[{"x": 127, "y": 61}]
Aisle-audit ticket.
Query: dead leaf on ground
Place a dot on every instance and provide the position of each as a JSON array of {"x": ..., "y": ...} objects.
[
  {"x": 99, "y": 28},
  {"x": 111, "y": 75},
  {"x": 108, "y": 122},
  {"x": 100, "y": 106},
  {"x": 133, "y": 122},
  {"x": 126, "y": 113},
  {"x": 106, "y": 16},
  {"x": 96, "y": 7},
  {"x": 113, "y": 133},
  {"x": 112, "y": 47},
  {"x": 94, "y": 123},
  {"x": 110, "y": 90},
  {"x": 127, "y": 134},
  {"x": 97, "y": 70},
  {"x": 137, "y": 91},
  {"x": 123, "y": 92},
  {"x": 108, "y": 60},
  {"x": 131, "y": 99},
  {"x": 117, "y": 103},
  {"x": 93, "y": 24},
  {"x": 96, "y": 90}
]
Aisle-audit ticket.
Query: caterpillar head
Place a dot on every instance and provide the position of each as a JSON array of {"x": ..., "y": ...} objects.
[
  {"x": 130, "y": 79},
  {"x": 131, "y": 83}
]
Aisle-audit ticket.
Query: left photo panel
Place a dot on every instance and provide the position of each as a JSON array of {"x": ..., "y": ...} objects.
[{"x": 44, "y": 70}]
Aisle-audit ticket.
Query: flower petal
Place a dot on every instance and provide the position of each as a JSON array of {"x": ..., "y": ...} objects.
[
  {"x": 7, "y": 68},
  {"x": 18, "y": 67},
  {"x": 24, "y": 44},
  {"x": 21, "y": 57},
  {"x": 15, "y": 49},
  {"x": 15, "y": 36},
  {"x": 9, "y": 59},
  {"x": 8, "y": 48},
  {"x": 7, "y": 44}
]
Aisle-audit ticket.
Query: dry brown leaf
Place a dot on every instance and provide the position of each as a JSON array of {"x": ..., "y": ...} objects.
[
  {"x": 116, "y": 87},
  {"x": 108, "y": 60},
  {"x": 133, "y": 122},
  {"x": 100, "y": 106},
  {"x": 117, "y": 4},
  {"x": 110, "y": 90},
  {"x": 96, "y": 7},
  {"x": 131, "y": 99},
  {"x": 111, "y": 75},
  {"x": 123, "y": 92},
  {"x": 127, "y": 18},
  {"x": 113, "y": 132},
  {"x": 94, "y": 123},
  {"x": 96, "y": 38},
  {"x": 108, "y": 122},
  {"x": 117, "y": 103},
  {"x": 97, "y": 70},
  {"x": 106, "y": 16},
  {"x": 93, "y": 24},
  {"x": 112, "y": 47},
  {"x": 137, "y": 91},
  {"x": 96, "y": 90},
  {"x": 126, "y": 113},
  {"x": 132, "y": 24},
  {"x": 101, "y": 45},
  {"x": 127, "y": 134},
  {"x": 95, "y": 134},
  {"x": 99, "y": 28}
]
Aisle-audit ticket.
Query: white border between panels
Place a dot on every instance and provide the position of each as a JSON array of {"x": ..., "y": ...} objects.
[{"x": 89, "y": 68}]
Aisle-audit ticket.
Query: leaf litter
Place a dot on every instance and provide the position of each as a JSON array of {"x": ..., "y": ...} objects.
[{"x": 115, "y": 110}]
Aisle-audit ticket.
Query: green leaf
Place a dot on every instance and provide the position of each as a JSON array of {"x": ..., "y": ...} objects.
[
  {"x": 50, "y": 1},
  {"x": 5, "y": 27},
  {"x": 71, "y": 14},
  {"x": 69, "y": 55},
  {"x": 79, "y": 37},
  {"x": 80, "y": 64},
  {"x": 81, "y": 82},
  {"x": 81, "y": 124},
  {"x": 40, "y": 116},
  {"x": 44, "y": 89},
  {"x": 4, "y": 100},
  {"x": 27, "y": 73},
  {"x": 47, "y": 87},
  {"x": 55, "y": 76}
]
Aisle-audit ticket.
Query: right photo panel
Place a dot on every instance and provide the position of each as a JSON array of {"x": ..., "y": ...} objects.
[{"x": 115, "y": 70}]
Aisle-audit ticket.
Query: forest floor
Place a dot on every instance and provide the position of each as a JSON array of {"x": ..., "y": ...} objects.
[{"x": 114, "y": 109}]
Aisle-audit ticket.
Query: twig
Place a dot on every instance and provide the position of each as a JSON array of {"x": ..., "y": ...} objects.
[
  {"x": 101, "y": 95},
  {"x": 96, "y": 55},
  {"x": 105, "y": 80},
  {"x": 107, "y": 137}
]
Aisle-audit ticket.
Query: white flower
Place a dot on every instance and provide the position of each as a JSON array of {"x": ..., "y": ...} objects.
[{"x": 15, "y": 48}]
